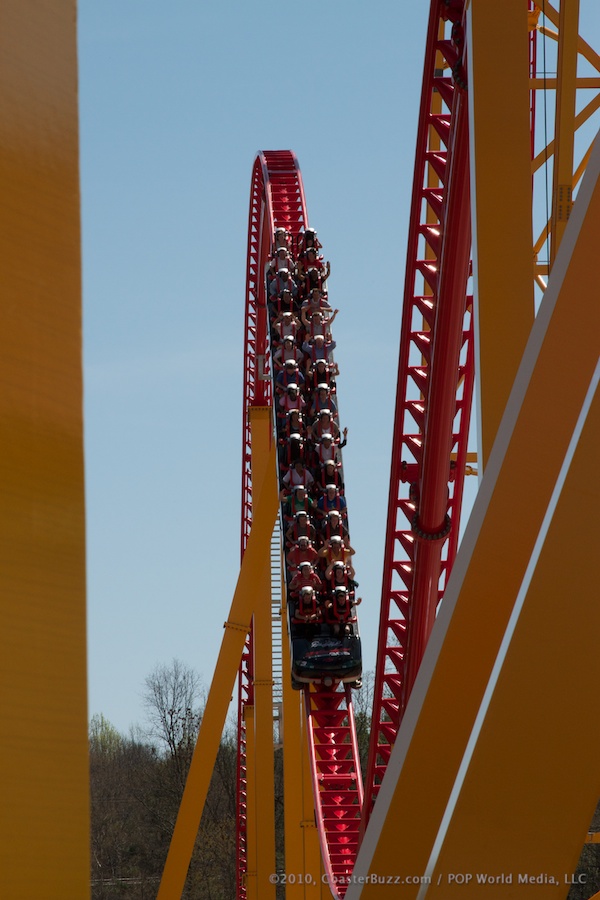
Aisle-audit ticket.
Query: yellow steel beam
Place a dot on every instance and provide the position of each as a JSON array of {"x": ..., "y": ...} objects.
[
  {"x": 583, "y": 47},
  {"x": 255, "y": 561},
  {"x": 302, "y": 850},
  {"x": 292, "y": 772},
  {"x": 501, "y": 206},
  {"x": 549, "y": 84},
  {"x": 525, "y": 768},
  {"x": 44, "y": 813},
  {"x": 493, "y": 565},
  {"x": 580, "y": 119},
  {"x": 562, "y": 187}
]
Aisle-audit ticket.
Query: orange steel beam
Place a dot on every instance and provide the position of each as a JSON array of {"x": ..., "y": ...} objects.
[
  {"x": 302, "y": 850},
  {"x": 263, "y": 819},
  {"x": 512, "y": 510},
  {"x": 500, "y": 206},
  {"x": 562, "y": 187},
  {"x": 256, "y": 560},
  {"x": 524, "y": 767},
  {"x": 44, "y": 815}
]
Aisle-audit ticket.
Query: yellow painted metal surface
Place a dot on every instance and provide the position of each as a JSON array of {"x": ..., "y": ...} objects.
[
  {"x": 529, "y": 769},
  {"x": 562, "y": 188},
  {"x": 499, "y": 543},
  {"x": 255, "y": 562},
  {"x": 44, "y": 809},
  {"x": 501, "y": 205},
  {"x": 302, "y": 850},
  {"x": 292, "y": 772}
]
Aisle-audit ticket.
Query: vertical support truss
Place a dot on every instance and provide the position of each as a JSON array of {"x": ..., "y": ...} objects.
[
  {"x": 435, "y": 379},
  {"x": 562, "y": 138}
]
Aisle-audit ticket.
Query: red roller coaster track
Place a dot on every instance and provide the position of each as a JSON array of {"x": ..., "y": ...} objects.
[
  {"x": 434, "y": 392},
  {"x": 276, "y": 198},
  {"x": 435, "y": 380}
]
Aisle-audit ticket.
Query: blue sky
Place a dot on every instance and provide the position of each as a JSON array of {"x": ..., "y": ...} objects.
[{"x": 176, "y": 99}]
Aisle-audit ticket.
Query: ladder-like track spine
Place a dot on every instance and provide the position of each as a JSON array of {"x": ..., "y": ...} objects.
[
  {"x": 277, "y": 199},
  {"x": 435, "y": 380}
]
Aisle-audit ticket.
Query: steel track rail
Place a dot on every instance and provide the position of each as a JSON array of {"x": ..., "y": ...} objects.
[
  {"x": 277, "y": 199},
  {"x": 434, "y": 388}
]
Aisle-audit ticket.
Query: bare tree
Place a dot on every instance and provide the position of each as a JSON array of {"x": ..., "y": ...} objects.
[
  {"x": 173, "y": 702},
  {"x": 362, "y": 700}
]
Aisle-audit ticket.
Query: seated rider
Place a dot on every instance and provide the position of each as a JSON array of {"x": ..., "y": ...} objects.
[
  {"x": 286, "y": 324},
  {"x": 307, "y": 611},
  {"x": 334, "y": 550},
  {"x": 321, "y": 372},
  {"x": 281, "y": 303},
  {"x": 289, "y": 400},
  {"x": 323, "y": 400},
  {"x": 281, "y": 238},
  {"x": 290, "y": 374},
  {"x": 310, "y": 259},
  {"x": 305, "y": 576},
  {"x": 330, "y": 473},
  {"x": 319, "y": 348},
  {"x": 287, "y": 352},
  {"x": 296, "y": 474},
  {"x": 298, "y": 501},
  {"x": 331, "y": 499},
  {"x": 302, "y": 551},
  {"x": 338, "y": 612},
  {"x": 282, "y": 281},
  {"x": 293, "y": 424},
  {"x": 325, "y": 425},
  {"x": 281, "y": 259},
  {"x": 315, "y": 301},
  {"x": 308, "y": 238},
  {"x": 333, "y": 524},
  {"x": 292, "y": 449},
  {"x": 300, "y": 527},
  {"x": 318, "y": 322}
]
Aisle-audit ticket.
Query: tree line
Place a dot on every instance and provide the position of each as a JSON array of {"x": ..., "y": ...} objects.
[{"x": 137, "y": 782}]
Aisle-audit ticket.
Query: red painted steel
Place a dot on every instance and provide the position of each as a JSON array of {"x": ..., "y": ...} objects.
[
  {"x": 429, "y": 454},
  {"x": 435, "y": 382},
  {"x": 337, "y": 780},
  {"x": 276, "y": 199},
  {"x": 433, "y": 405}
]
